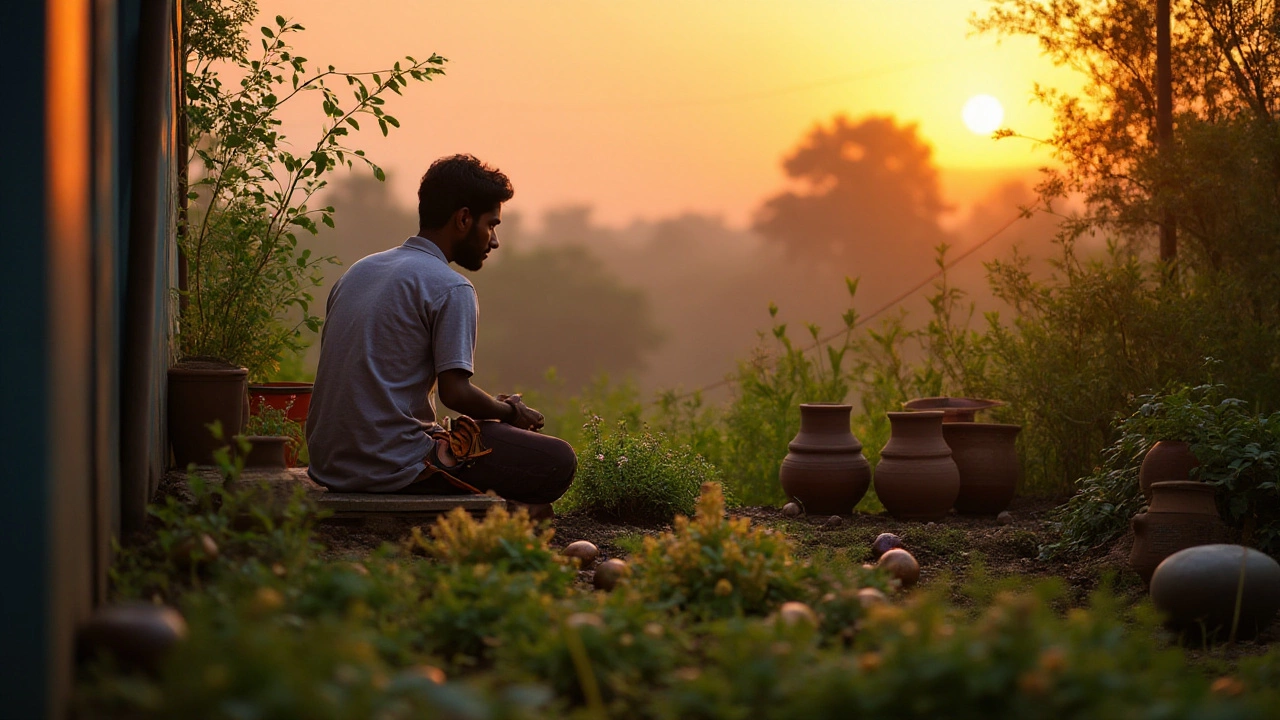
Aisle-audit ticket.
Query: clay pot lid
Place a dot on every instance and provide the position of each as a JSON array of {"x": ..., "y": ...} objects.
[
  {"x": 280, "y": 388},
  {"x": 1191, "y": 485},
  {"x": 206, "y": 364},
  {"x": 951, "y": 403}
]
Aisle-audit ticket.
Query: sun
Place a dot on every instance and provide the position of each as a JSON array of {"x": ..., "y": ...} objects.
[{"x": 983, "y": 114}]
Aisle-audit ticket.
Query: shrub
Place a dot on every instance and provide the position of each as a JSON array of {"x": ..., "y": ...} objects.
[
  {"x": 503, "y": 540},
  {"x": 1239, "y": 452},
  {"x": 616, "y": 649},
  {"x": 221, "y": 526},
  {"x": 764, "y": 415},
  {"x": 712, "y": 566},
  {"x": 636, "y": 476}
]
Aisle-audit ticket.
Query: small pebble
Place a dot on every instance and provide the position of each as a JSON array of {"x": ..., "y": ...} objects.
[
  {"x": 1004, "y": 518},
  {"x": 791, "y": 509},
  {"x": 834, "y": 521}
]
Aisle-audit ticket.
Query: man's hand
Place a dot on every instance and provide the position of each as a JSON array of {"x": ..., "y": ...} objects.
[{"x": 526, "y": 418}]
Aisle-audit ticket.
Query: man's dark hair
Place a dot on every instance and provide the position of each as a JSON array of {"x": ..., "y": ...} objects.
[{"x": 459, "y": 181}]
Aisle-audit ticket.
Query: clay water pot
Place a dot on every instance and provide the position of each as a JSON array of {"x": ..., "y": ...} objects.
[
  {"x": 917, "y": 479},
  {"x": 1182, "y": 515},
  {"x": 824, "y": 470},
  {"x": 1166, "y": 460},
  {"x": 987, "y": 459},
  {"x": 1197, "y": 590},
  {"x": 954, "y": 409},
  {"x": 200, "y": 392}
]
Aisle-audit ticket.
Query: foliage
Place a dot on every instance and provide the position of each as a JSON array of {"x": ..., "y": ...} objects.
[
  {"x": 249, "y": 279},
  {"x": 713, "y": 566},
  {"x": 502, "y": 539},
  {"x": 764, "y": 415},
  {"x": 618, "y": 649},
  {"x": 1125, "y": 324},
  {"x": 224, "y": 525},
  {"x": 252, "y": 659},
  {"x": 1239, "y": 453},
  {"x": 638, "y": 476}
]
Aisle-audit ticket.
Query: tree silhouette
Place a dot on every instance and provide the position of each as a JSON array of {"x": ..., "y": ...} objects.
[{"x": 870, "y": 196}]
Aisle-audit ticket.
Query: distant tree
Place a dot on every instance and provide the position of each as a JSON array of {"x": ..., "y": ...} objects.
[
  {"x": 870, "y": 196},
  {"x": 557, "y": 307}
]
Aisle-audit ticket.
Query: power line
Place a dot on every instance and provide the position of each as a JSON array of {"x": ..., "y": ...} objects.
[{"x": 862, "y": 321}]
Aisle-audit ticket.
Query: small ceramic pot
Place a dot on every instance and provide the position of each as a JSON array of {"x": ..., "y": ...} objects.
[
  {"x": 987, "y": 459},
  {"x": 917, "y": 478},
  {"x": 824, "y": 470},
  {"x": 1198, "y": 589},
  {"x": 1166, "y": 460},
  {"x": 1182, "y": 515},
  {"x": 266, "y": 451}
]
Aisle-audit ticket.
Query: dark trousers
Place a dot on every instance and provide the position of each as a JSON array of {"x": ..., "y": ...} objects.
[{"x": 524, "y": 466}]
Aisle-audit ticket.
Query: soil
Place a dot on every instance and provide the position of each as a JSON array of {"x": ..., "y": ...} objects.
[{"x": 950, "y": 551}]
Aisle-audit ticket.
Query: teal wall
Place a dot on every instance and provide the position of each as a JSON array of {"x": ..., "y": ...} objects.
[
  {"x": 24, "y": 507},
  {"x": 82, "y": 271}
]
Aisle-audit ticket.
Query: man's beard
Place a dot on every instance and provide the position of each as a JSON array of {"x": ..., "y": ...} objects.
[{"x": 473, "y": 248}]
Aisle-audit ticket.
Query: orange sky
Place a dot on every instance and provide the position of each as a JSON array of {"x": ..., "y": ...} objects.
[{"x": 648, "y": 108}]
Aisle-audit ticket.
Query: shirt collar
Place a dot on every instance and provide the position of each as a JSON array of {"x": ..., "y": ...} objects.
[{"x": 417, "y": 242}]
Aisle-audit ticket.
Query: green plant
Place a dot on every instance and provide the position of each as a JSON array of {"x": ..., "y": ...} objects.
[
  {"x": 713, "y": 566},
  {"x": 269, "y": 420},
  {"x": 249, "y": 280},
  {"x": 223, "y": 525},
  {"x": 1239, "y": 452},
  {"x": 504, "y": 540},
  {"x": 765, "y": 412},
  {"x": 638, "y": 476}
]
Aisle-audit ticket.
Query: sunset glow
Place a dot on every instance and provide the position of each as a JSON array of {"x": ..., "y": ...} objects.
[{"x": 657, "y": 108}]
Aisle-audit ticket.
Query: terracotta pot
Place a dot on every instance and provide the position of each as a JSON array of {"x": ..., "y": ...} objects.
[
  {"x": 954, "y": 409},
  {"x": 1197, "y": 590},
  {"x": 200, "y": 392},
  {"x": 987, "y": 459},
  {"x": 1167, "y": 460},
  {"x": 917, "y": 479},
  {"x": 295, "y": 397},
  {"x": 824, "y": 470},
  {"x": 267, "y": 451},
  {"x": 1182, "y": 515}
]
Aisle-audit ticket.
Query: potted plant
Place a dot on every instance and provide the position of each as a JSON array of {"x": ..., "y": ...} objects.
[
  {"x": 246, "y": 279},
  {"x": 274, "y": 439}
]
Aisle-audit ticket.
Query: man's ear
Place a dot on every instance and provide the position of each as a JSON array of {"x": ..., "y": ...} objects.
[{"x": 462, "y": 219}]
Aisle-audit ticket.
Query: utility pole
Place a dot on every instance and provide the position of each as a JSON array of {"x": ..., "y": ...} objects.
[{"x": 1164, "y": 128}]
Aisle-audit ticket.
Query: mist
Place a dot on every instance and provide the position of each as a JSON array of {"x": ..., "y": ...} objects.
[{"x": 676, "y": 302}]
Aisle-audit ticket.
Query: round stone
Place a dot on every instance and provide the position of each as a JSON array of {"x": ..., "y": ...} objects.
[{"x": 1197, "y": 590}]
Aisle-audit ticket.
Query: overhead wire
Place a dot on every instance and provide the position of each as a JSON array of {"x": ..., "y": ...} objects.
[{"x": 729, "y": 380}]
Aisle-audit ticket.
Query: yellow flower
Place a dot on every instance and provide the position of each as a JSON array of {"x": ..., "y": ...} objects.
[{"x": 723, "y": 587}]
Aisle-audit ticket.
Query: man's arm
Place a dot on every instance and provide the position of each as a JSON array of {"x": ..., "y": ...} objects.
[{"x": 459, "y": 395}]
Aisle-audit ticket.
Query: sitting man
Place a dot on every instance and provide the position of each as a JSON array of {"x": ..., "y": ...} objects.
[{"x": 402, "y": 322}]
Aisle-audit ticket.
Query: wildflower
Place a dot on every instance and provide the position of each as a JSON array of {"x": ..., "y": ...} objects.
[
  {"x": 723, "y": 587},
  {"x": 622, "y": 459},
  {"x": 1227, "y": 685},
  {"x": 600, "y": 456}
]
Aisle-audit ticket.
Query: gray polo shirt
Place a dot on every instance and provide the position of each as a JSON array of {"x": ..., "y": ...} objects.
[{"x": 395, "y": 320}]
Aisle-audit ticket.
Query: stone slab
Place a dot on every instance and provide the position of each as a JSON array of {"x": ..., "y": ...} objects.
[{"x": 379, "y": 503}]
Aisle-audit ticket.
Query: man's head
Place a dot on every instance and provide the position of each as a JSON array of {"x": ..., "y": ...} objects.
[{"x": 461, "y": 198}]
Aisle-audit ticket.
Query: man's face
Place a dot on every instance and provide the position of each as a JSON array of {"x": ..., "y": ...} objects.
[{"x": 480, "y": 240}]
